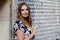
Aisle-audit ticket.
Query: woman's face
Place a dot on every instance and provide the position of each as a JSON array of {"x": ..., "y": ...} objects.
[{"x": 24, "y": 11}]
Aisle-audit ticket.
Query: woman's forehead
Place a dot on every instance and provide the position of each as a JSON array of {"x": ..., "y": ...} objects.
[{"x": 24, "y": 7}]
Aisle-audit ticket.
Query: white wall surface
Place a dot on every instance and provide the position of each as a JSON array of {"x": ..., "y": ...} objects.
[{"x": 4, "y": 22}]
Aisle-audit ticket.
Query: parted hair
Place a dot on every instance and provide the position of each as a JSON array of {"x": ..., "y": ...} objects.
[{"x": 27, "y": 22}]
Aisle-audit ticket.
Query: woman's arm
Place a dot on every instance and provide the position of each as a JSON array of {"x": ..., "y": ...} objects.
[
  {"x": 20, "y": 35},
  {"x": 32, "y": 34}
]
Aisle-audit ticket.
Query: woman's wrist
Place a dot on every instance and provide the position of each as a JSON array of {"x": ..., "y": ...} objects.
[
  {"x": 30, "y": 36},
  {"x": 33, "y": 33}
]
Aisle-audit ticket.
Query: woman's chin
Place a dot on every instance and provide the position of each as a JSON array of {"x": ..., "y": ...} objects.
[{"x": 25, "y": 16}]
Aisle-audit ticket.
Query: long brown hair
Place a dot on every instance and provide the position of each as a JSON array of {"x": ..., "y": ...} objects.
[{"x": 27, "y": 22}]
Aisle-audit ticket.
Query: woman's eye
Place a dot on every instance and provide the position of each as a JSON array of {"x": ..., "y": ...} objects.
[
  {"x": 22, "y": 9},
  {"x": 26, "y": 9}
]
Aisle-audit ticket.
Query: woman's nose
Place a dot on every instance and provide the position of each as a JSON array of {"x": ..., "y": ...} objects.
[{"x": 25, "y": 10}]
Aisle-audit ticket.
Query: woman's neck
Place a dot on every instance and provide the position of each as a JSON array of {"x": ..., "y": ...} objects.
[{"x": 26, "y": 19}]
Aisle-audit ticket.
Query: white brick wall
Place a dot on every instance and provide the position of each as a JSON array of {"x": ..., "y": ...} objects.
[{"x": 47, "y": 20}]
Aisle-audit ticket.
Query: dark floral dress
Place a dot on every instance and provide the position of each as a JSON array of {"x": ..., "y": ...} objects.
[{"x": 21, "y": 26}]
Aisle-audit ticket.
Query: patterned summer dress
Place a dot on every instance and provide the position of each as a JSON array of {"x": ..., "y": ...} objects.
[{"x": 21, "y": 26}]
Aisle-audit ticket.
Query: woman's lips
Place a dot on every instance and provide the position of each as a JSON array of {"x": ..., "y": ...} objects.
[{"x": 26, "y": 14}]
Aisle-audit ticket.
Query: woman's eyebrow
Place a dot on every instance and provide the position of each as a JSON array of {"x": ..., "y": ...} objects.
[{"x": 26, "y": 8}]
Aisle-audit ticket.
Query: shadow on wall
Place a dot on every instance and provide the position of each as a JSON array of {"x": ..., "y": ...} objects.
[{"x": 2, "y": 2}]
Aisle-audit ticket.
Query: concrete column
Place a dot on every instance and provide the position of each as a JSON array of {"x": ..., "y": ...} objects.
[{"x": 4, "y": 22}]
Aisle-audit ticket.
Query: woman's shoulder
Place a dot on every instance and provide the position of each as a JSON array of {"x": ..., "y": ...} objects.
[
  {"x": 18, "y": 21},
  {"x": 19, "y": 25}
]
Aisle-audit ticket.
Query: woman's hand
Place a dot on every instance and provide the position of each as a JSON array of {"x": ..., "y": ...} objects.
[
  {"x": 33, "y": 29},
  {"x": 32, "y": 34}
]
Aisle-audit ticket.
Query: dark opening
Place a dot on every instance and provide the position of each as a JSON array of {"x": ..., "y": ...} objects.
[{"x": 2, "y": 2}]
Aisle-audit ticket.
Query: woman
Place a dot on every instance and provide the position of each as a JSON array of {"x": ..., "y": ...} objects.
[{"x": 23, "y": 28}]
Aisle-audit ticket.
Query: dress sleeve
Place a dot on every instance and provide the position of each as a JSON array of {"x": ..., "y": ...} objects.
[{"x": 18, "y": 25}]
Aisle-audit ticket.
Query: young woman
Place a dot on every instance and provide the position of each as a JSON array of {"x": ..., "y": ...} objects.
[{"x": 23, "y": 28}]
